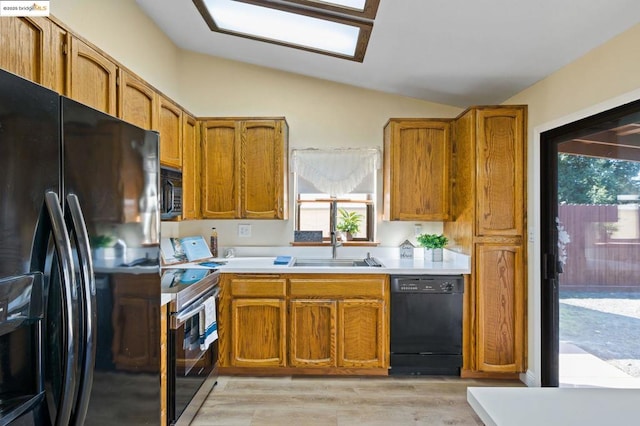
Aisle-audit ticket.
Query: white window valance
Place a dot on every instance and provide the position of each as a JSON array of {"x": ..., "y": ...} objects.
[{"x": 335, "y": 171}]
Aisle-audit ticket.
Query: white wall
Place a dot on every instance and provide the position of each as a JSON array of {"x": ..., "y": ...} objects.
[
  {"x": 123, "y": 31},
  {"x": 606, "y": 77},
  {"x": 319, "y": 113}
]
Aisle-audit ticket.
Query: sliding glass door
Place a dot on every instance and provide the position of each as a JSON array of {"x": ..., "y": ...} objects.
[{"x": 590, "y": 172}]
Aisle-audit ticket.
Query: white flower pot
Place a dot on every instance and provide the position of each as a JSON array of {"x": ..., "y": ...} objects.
[{"x": 436, "y": 255}]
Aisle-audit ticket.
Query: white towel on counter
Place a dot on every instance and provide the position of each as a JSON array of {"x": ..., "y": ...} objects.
[{"x": 208, "y": 324}]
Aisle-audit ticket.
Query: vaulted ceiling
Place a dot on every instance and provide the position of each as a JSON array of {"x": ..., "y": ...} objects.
[{"x": 456, "y": 52}]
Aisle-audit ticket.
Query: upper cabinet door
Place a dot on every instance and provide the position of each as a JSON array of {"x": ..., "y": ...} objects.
[
  {"x": 190, "y": 168},
  {"x": 137, "y": 103},
  {"x": 93, "y": 78},
  {"x": 244, "y": 169},
  {"x": 500, "y": 171},
  {"x": 416, "y": 169},
  {"x": 35, "y": 48},
  {"x": 170, "y": 127},
  {"x": 220, "y": 182},
  {"x": 264, "y": 169}
]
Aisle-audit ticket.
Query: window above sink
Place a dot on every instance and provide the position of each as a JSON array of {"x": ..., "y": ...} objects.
[{"x": 347, "y": 176}]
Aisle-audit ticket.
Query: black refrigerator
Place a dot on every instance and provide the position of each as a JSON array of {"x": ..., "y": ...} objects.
[{"x": 79, "y": 263}]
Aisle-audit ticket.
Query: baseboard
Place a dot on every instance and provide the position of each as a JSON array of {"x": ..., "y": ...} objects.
[{"x": 529, "y": 379}]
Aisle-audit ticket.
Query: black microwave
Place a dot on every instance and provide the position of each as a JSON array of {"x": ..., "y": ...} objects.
[{"x": 170, "y": 193}]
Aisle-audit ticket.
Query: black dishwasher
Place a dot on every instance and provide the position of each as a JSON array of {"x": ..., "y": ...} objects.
[{"x": 426, "y": 324}]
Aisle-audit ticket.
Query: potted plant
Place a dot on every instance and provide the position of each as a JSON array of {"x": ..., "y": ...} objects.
[
  {"x": 434, "y": 242},
  {"x": 102, "y": 246},
  {"x": 349, "y": 223}
]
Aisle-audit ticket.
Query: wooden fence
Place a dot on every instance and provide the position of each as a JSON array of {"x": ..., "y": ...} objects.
[{"x": 595, "y": 260}]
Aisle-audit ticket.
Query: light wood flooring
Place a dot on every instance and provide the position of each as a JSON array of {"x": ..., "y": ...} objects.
[{"x": 340, "y": 401}]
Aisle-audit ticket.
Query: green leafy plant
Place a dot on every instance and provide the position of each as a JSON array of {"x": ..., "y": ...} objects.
[
  {"x": 432, "y": 241},
  {"x": 349, "y": 221},
  {"x": 98, "y": 241}
]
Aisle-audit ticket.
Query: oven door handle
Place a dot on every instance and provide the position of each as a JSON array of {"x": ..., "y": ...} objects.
[{"x": 180, "y": 318}]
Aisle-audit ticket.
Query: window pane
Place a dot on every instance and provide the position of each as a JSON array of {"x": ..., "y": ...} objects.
[
  {"x": 358, "y": 209},
  {"x": 314, "y": 217}
]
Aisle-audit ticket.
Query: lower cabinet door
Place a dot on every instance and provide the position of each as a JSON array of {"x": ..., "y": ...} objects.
[
  {"x": 258, "y": 332},
  {"x": 361, "y": 340},
  {"x": 500, "y": 308},
  {"x": 312, "y": 333}
]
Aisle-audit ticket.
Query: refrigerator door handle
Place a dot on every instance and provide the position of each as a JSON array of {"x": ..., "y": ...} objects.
[
  {"x": 75, "y": 221},
  {"x": 70, "y": 295}
]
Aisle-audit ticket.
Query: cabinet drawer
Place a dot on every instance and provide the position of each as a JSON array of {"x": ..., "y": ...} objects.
[
  {"x": 338, "y": 287},
  {"x": 258, "y": 287}
]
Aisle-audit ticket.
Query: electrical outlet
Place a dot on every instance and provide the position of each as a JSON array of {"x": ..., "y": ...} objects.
[
  {"x": 417, "y": 229},
  {"x": 244, "y": 230}
]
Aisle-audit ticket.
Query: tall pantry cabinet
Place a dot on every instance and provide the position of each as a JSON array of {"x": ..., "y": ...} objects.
[{"x": 489, "y": 223}]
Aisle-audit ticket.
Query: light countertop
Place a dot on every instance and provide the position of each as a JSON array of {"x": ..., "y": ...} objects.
[
  {"x": 390, "y": 266},
  {"x": 504, "y": 406},
  {"x": 453, "y": 264},
  {"x": 114, "y": 265},
  {"x": 165, "y": 298},
  {"x": 256, "y": 260}
]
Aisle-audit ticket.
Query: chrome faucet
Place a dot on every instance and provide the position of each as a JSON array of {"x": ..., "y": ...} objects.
[{"x": 335, "y": 243}]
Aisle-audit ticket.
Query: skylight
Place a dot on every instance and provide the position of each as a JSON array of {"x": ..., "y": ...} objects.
[{"x": 309, "y": 25}]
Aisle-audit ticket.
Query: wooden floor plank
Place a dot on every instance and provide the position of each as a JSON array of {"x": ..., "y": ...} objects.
[{"x": 341, "y": 401}]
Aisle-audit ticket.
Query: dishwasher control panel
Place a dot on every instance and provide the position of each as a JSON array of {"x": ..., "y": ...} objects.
[{"x": 427, "y": 284}]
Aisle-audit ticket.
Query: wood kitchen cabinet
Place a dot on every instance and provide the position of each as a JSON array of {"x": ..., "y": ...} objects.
[
  {"x": 136, "y": 303},
  {"x": 337, "y": 333},
  {"x": 304, "y": 324},
  {"x": 500, "y": 307},
  {"x": 489, "y": 223},
  {"x": 137, "y": 102},
  {"x": 93, "y": 77},
  {"x": 170, "y": 128},
  {"x": 338, "y": 320},
  {"x": 416, "y": 169},
  {"x": 35, "y": 48},
  {"x": 253, "y": 311},
  {"x": 190, "y": 167},
  {"x": 362, "y": 334},
  {"x": 245, "y": 168},
  {"x": 312, "y": 333}
]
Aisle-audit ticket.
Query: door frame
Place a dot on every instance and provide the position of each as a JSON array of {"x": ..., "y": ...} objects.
[
  {"x": 549, "y": 265},
  {"x": 573, "y": 112}
]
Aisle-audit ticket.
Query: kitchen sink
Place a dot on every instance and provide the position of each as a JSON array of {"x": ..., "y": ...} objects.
[{"x": 338, "y": 263}]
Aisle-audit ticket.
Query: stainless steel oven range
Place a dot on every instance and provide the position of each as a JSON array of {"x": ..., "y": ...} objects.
[{"x": 192, "y": 369}]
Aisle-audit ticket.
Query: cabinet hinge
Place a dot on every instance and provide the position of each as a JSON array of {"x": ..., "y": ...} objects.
[
  {"x": 65, "y": 48},
  {"x": 117, "y": 80}
]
